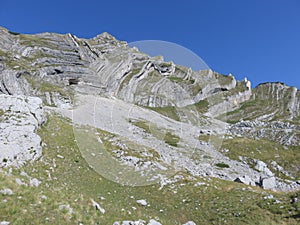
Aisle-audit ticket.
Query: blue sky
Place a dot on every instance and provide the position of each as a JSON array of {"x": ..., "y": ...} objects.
[{"x": 257, "y": 39}]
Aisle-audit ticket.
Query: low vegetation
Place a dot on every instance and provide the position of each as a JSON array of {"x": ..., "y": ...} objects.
[
  {"x": 201, "y": 106},
  {"x": 171, "y": 139},
  {"x": 222, "y": 165},
  {"x": 143, "y": 125},
  {"x": 42, "y": 87},
  {"x": 168, "y": 111},
  {"x": 161, "y": 134},
  {"x": 176, "y": 79},
  {"x": 266, "y": 151},
  {"x": 34, "y": 41},
  {"x": 223, "y": 80},
  {"x": 68, "y": 180}
]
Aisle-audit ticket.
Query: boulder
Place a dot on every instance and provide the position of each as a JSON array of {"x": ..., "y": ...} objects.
[
  {"x": 141, "y": 202},
  {"x": 6, "y": 191},
  {"x": 4, "y": 223},
  {"x": 154, "y": 222},
  {"x": 262, "y": 167},
  {"x": 245, "y": 180},
  {"x": 189, "y": 223},
  {"x": 97, "y": 206},
  {"x": 268, "y": 182}
]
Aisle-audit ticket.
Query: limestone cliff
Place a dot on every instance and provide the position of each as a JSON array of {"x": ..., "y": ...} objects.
[{"x": 193, "y": 119}]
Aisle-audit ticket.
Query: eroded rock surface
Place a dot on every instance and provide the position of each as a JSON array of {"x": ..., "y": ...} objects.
[
  {"x": 20, "y": 118},
  {"x": 56, "y": 69}
]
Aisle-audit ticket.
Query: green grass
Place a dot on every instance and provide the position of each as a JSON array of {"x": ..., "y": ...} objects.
[
  {"x": 195, "y": 89},
  {"x": 171, "y": 111},
  {"x": 171, "y": 139},
  {"x": 44, "y": 87},
  {"x": 223, "y": 80},
  {"x": 133, "y": 149},
  {"x": 202, "y": 106},
  {"x": 248, "y": 104},
  {"x": 72, "y": 181},
  {"x": 266, "y": 151},
  {"x": 2, "y": 53},
  {"x": 16, "y": 64},
  {"x": 33, "y": 41},
  {"x": 168, "y": 111},
  {"x": 2, "y": 115},
  {"x": 176, "y": 79},
  {"x": 204, "y": 137},
  {"x": 180, "y": 69},
  {"x": 222, "y": 165},
  {"x": 128, "y": 77},
  {"x": 183, "y": 82},
  {"x": 161, "y": 134},
  {"x": 142, "y": 124},
  {"x": 165, "y": 64}
]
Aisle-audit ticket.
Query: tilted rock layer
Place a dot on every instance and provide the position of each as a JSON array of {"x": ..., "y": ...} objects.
[{"x": 55, "y": 70}]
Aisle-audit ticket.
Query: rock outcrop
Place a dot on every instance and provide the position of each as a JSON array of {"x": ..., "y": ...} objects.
[
  {"x": 20, "y": 118},
  {"x": 285, "y": 133},
  {"x": 50, "y": 64},
  {"x": 57, "y": 70},
  {"x": 269, "y": 102}
]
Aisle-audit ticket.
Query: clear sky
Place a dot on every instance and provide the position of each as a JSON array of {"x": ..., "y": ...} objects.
[{"x": 257, "y": 39}]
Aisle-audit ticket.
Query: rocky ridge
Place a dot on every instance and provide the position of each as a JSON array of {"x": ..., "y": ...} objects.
[{"x": 57, "y": 69}]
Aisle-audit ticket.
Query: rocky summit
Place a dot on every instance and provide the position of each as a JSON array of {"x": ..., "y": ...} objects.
[{"x": 96, "y": 132}]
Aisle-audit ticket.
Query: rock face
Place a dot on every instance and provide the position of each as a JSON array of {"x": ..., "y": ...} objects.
[
  {"x": 283, "y": 132},
  {"x": 268, "y": 102},
  {"x": 51, "y": 66},
  {"x": 285, "y": 98},
  {"x": 57, "y": 70},
  {"x": 262, "y": 167},
  {"x": 19, "y": 120}
]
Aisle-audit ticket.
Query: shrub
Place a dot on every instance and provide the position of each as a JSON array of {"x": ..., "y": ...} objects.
[{"x": 222, "y": 165}]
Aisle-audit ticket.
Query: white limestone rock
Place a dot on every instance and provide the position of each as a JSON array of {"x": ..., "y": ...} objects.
[
  {"x": 154, "y": 222},
  {"x": 268, "y": 183},
  {"x": 245, "y": 180},
  {"x": 262, "y": 167},
  {"x": 6, "y": 191},
  {"x": 141, "y": 202},
  {"x": 4, "y": 223},
  {"x": 189, "y": 223},
  {"x": 18, "y": 124},
  {"x": 34, "y": 182},
  {"x": 97, "y": 206},
  {"x": 138, "y": 222}
]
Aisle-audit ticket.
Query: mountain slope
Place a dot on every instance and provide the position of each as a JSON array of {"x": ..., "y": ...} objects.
[{"x": 116, "y": 114}]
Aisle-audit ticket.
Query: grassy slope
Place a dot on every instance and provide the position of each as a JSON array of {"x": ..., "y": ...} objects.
[
  {"x": 266, "y": 151},
  {"x": 74, "y": 183}
]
